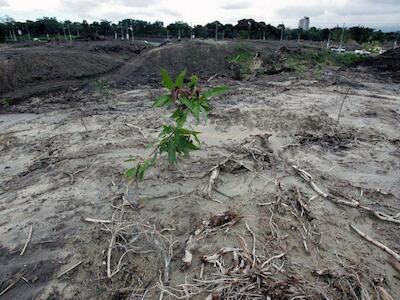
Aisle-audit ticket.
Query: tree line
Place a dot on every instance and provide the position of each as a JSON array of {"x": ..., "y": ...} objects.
[{"x": 51, "y": 28}]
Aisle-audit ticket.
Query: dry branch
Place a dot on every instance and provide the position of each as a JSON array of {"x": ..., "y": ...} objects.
[
  {"x": 307, "y": 177},
  {"x": 211, "y": 182},
  {"x": 97, "y": 221},
  {"x": 188, "y": 257},
  {"x": 395, "y": 264},
  {"x": 353, "y": 203},
  {"x": 10, "y": 286},
  {"x": 27, "y": 241},
  {"x": 384, "y": 294},
  {"x": 254, "y": 244},
  {"x": 341, "y": 105},
  {"x": 137, "y": 128},
  {"x": 69, "y": 269},
  {"x": 377, "y": 243}
]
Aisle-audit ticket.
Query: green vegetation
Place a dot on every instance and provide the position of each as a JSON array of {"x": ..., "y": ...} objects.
[
  {"x": 241, "y": 61},
  {"x": 102, "y": 88},
  {"x": 372, "y": 46},
  {"x": 317, "y": 61},
  {"x": 336, "y": 59},
  {"x": 5, "y": 102},
  {"x": 242, "y": 55},
  {"x": 176, "y": 139}
]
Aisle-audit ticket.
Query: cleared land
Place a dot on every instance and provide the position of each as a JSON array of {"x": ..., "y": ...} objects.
[{"x": 270, "y": 232}]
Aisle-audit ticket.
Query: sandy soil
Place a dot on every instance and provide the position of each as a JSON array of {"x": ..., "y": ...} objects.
[{"x": 63, "y": 159}]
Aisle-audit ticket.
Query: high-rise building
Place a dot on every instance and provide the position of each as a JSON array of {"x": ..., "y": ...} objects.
[{"x": 304, "y": 23}]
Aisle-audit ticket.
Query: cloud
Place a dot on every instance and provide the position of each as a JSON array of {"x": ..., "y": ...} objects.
[
  {"x": 3, "y": 3},
  {"x": 236, "y": 5},
  {"x": 368, "y": 7},
  {"x": 169, "y": 12},
  {"x": 79, "y": 6},
  {"x": 300, "y": 11},
  {"x": 137, "y": 3},
  {"x": 117, "y": 15}
]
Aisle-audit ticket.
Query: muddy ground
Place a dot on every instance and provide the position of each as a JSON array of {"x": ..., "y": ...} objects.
[{"x": 63, "y": 159}]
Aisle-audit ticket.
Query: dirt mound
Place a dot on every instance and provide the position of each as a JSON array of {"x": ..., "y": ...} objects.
[
  {"x": 386, "y": 65},
  {"x": 20, "y": 68},
  {"x": 204, "y": 59},
  {"x": 242, "y": 60},
  {"x": 28, "y": 67}
]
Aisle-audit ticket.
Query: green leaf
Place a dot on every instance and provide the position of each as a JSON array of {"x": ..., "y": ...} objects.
[
  {"x": 179, "y": 117},
  {"x": 185, "y": 101},
  {"x": 151, "y": 145},
  {"x": 180, "y": 78},
  {"x": 193, "y": 81},
  {"x": 203, "y": 113},
  {"x": 191, "y": 146},
  {"x": 131, "y": 173},
  {"x": 167, "y": 81},
  {"x": 167, "y": 130},
  {"x": 143, "y": 168},
  {"x": 171, "y": 152},
  {"x": 185, "y": 131},
  {"x": 219, "y": 90},
  {"x": 197, "y": 139},
  {"x": 162, "y": 100},
  {"x": 193, "y": 106},
  {"x": 196, "y": 110}
]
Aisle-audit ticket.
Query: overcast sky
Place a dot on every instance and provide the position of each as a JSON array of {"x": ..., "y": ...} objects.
[{"x": 384, "y": 14}]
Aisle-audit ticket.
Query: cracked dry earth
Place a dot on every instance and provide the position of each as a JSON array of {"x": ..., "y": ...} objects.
[{"x": 63, "y": 159}]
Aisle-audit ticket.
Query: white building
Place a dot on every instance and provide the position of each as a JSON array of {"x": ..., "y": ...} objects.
[{"x": 304, "y": 23}]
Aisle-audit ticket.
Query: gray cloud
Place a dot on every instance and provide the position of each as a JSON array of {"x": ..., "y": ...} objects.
[
  {"x": 301, "y": 11},
  {"x": 3, "y": 3},
  {"x": 237, "y": 5},
  {"x": 137, "y": 3},
  {"x": 82, "y": 7},
  {"x": 368, "y": 7},
  {"x": 169, "y": 12},
  {"x": 117, "y": 15}
]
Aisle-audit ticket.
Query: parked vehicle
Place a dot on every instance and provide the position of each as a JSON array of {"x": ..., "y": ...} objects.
[
  {"x": 362, "y": 52},
  {"x": 338, "y": 50}
]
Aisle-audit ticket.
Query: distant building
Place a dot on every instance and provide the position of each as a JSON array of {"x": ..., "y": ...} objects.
[{"x": 304, "y": 23}]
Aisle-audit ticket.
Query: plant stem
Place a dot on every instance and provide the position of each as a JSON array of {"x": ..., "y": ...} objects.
[{"x": 341, "y": 106}]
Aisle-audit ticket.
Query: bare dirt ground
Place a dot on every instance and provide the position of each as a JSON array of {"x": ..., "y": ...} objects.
[
  {"x": 263, "y": 232},
  {"x": 28, "y": 69}
]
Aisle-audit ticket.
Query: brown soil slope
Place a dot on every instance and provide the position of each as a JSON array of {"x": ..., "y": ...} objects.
[
  {"x": 386, "y": 65},
  {"x": 203, "y": 58},
  {"x": 24, "y": 66}
]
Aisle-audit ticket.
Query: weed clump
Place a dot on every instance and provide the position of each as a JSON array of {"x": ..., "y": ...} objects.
[
  {"x": 300, "y": 63},
  {"x": 241, "y": 62}
]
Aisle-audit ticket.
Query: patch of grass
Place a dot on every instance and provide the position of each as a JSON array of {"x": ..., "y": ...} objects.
[
  {"x": 102, "y": 88},
  {"x": 242, "y": 55},
  {"x": 241, "y": 61},
  {"x": 330, "y": 58},
  {"x": 5, "y": 102},
  {"x": 300, "y": 63},
  {"x": 297, "y": 64}
]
